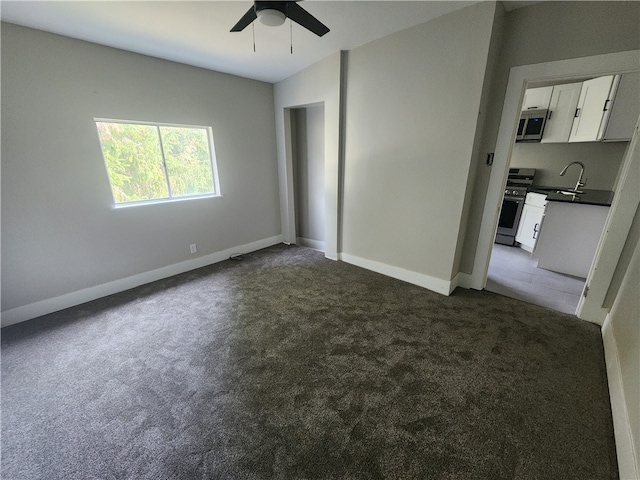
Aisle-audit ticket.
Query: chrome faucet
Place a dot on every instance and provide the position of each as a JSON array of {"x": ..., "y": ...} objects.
[{"x": 580, "y": 182}]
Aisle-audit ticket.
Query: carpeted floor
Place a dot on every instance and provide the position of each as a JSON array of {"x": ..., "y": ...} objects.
[{"x": 288, "y": 365}]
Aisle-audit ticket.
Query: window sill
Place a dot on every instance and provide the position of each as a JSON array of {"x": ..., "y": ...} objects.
[{"x": 124, "y": 206}]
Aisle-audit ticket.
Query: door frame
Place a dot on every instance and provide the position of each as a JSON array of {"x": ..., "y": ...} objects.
[
  {"x": 331, "y": 201},
  {"x": 519, "y": 79},
  {"x": 290, "y": 130},
  {"x": 321, "y": 83}
]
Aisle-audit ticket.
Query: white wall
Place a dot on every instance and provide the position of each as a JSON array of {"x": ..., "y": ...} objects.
[
  {"x": 621, "y": 335},
  {"x": 479, "y": 155},
  {"x": 59, "y": 232},
  {"x": 308, "y": 160},
  {"x": 412, "y": 106},
  {"x": 318, "y": 84},
  {"x": 601, "y": 161}
]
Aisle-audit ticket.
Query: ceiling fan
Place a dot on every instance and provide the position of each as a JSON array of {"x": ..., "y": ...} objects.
[{"x": 275, "y": 13}]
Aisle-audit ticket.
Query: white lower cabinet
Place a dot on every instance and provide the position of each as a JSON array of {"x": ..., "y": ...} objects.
[
  {"x": 570, "y": 237},
  {"x": 530, "y": 221}
]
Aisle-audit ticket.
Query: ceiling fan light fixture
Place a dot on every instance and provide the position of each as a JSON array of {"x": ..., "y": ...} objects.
[{"x": 271, "y": 17}]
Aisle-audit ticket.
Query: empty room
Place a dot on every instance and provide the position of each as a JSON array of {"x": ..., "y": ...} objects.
[{"x": 252, "y": 240}]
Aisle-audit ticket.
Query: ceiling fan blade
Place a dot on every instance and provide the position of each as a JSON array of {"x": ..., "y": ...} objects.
[
  {"x": 299, "y": 15},
  {"x": 245, "y": 21}
]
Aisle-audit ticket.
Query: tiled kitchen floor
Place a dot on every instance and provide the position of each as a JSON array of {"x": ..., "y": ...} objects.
[{"x": 513, "y": 273}]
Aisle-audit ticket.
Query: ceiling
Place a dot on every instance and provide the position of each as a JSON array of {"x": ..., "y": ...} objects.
[{"x": 197, "y": 32}]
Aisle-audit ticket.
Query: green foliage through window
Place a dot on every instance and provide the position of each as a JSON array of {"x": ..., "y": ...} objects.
[{"x": 149, "y": 162}]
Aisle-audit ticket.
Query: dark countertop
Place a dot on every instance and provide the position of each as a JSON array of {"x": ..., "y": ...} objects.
[{"x": 588, "y": 197}]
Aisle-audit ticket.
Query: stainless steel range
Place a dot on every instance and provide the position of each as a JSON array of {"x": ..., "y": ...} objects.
[{"x": 519, "y": 182}]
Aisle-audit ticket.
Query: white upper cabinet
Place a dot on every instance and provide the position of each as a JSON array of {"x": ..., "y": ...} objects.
[
  {"x": 537, "y": 98},
  {"x": 624, "y": 110},
  {"x": 592, "y": 107},
  {"x": 600, "y": 109},
  {"x": 562, "y": 109}
]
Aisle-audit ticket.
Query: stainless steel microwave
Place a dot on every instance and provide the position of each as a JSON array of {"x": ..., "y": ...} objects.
[{"x": 531, "y": 126}]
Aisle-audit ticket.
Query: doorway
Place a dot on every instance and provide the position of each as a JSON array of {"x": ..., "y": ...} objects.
[
  {"x": 618, "y": 221},
  {"x": 552, "y": 277},
  {"x": 308, "y": 162}
]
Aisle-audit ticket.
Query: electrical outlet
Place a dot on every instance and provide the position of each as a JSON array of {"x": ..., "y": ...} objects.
[{"x": 193, "y": 248}]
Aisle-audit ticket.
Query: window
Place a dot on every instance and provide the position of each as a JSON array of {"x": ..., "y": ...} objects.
[{"x": 149, "y": 162}]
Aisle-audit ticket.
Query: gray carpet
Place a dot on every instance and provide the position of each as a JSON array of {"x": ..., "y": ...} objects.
[{"x": 288, "y": 365}]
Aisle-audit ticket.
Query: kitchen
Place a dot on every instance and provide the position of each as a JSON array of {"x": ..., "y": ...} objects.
[{"x": 569, "y": 148}]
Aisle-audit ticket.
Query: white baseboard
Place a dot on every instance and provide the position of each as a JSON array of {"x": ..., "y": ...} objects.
[
  {"x": 444, "y": 287},
  {"x": 591, "y": 314},
  {"x": 307, "y": 242},
  {"x": 43, "y": 307},
  {"x": 627, "y": 462},
  {"x": 464, "y": 280}
]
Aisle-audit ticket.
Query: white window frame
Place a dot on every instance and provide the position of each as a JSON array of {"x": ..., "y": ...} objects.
[{"x": 170, "y": 198}]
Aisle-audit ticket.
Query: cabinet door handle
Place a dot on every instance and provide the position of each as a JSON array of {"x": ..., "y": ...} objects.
[
  {"x": 550, "y": 114},
  {"x": 606, "y": 103},
  {"x": 577, "y": 112},
  {"x": 536, "y": 230}
]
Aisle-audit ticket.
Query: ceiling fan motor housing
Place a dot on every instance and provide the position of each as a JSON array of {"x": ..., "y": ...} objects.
[
  {"x": 272, "y": 14},
  {"x": 265, "y": 5}
]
